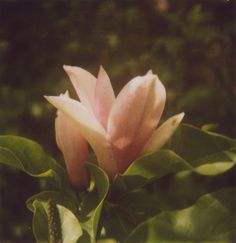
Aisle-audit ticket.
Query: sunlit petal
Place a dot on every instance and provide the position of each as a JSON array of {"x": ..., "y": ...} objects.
[
  {"x": 162, "y": 134},
  {"x": 84, "y": 84}
]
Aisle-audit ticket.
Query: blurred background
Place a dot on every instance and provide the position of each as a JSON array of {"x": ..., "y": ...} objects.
[{"x": 188, "y": 43}]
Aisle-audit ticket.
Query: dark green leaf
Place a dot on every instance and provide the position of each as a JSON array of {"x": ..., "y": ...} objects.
[
  {"x": 92, "y": 203},
  {"x": 211, "y": 218},
  {"x": 194, "y": 144},
  {"x": 117, "y": 221},
  {"x": 59, "y": 197},
  {"x": 189, "y": 149},
  {"x": 40, "y": 222},
  {"x": 28, "y": 156}
]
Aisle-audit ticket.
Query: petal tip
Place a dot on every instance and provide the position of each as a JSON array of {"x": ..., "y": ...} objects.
[
  {"x": 52, "y": 99},
  {"x": 68, "y": 68},
  {"x": 47, "y": 97},
  {"x": 180, "y": 116},
  {"x": 65, "y": 66},
  {"x": 149, "y": 72},
  {"x": 177, "y": 119}
]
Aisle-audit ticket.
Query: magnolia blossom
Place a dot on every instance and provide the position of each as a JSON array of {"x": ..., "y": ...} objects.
[{"x": 119, "y": 129}]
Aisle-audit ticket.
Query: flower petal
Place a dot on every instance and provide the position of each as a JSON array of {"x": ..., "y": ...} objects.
[
  {"x": 90, "y": 129},
  {"x": 162, "y": 134},
  {"x": 104, "y": 97},
  {"x": 134, "y": 116},
  {"x": 74, "y": 149},
  {"x": 84, "y": 84}
]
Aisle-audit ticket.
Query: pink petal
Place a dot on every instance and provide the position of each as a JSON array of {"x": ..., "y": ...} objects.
[
  {"x": 74, "y": 149},
  {"x": 84, "y": 84},
  {"x": 104, "y": 97},
  {"x": 163, "y": 134},
  {"x": 89, "y": 128},
  {"x": 134, "y": 116}
]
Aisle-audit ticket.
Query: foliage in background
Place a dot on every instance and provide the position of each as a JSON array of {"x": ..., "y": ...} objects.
[{"x": 190, "y": 44}]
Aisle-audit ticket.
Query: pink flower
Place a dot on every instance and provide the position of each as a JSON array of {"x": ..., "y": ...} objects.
[{"x": 118, "y": 129}]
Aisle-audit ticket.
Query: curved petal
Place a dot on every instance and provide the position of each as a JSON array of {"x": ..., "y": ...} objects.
[
  {"x": 104, "y": 97},
  {"x": 84, "y": 84},
  {"x": 90, "y": 129},
  {"x": 162, "y": 134},
  {"x": 74, "y": 149},
  {"x": 134, "y": 116}
]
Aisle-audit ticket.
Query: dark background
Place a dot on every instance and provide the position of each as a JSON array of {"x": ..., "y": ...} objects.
[{"x": 189, "y": 44}]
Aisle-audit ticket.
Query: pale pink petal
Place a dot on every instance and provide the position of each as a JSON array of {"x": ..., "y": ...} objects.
[
  {"x": 84, "y": 84},
  {"x": 134, "y": 116},
  {"x": 162, "y": 134},
  {"x": 74, "y": 149},
  {"x": 89, "y": 128},
  {"x": 104, "y": 97}
]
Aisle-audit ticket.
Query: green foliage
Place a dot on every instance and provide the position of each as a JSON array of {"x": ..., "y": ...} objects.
[
  {"x": 26, "y": 155},
  {"x": 92, "y": 202},
  {"x": 209, "y": 219},
  {"x": 183, "y": 192}
]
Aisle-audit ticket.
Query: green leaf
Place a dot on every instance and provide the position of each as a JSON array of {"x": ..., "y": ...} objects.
[
  {"x": 92, "y": 203},
  {"x": 171, "y": 192},
  {"x": 190, "y": 149},
  {"x": 135, "y": 209},
  {"x": 62, "y": 198},
  {"x": 91, "y": 206},
  {"x": 117, "y": 221},
  {"x": 28, "y": 156},
  {"x": 107, "y": 241},
  {"x": 180, "y": 190},
  {"x": 40, "y": 222},
  {"x": 211, "y": 218},
  {"x": 154, "y": 166},
  {"x": 209, "y": 127},
  {"x": 194, "y": 144},
  {"x": 70, "y": 226}
]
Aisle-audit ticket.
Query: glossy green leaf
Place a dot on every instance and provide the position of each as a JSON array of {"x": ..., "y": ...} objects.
[
  {"x": 194, "y": 144},
  {"x": 92, "y": 203},
  {"x": 180, "y": 190},
  {"x": 211, "y": 218},
  {"x": 28, "y": 156},
  {"x": 190, "y": 149},
  {"x": 70, "y": 226},
  {"x": 162, "y": 163},
  {"x": 172, "y": 192}
]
